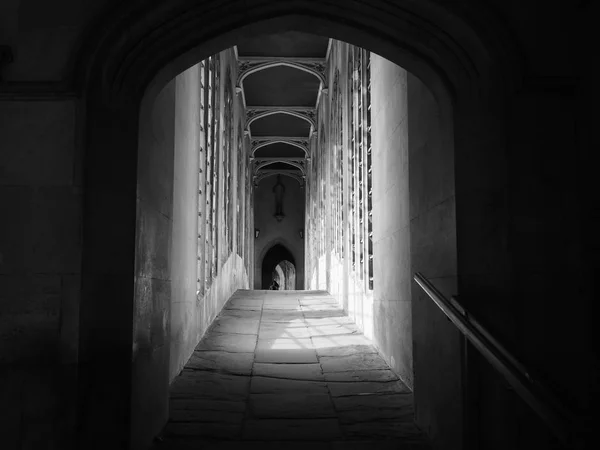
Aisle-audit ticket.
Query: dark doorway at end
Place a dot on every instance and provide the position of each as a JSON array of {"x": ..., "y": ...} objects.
[{"x": 279, "y": 264}]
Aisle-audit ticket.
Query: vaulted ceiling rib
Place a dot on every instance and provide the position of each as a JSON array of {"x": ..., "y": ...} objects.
[{"x": 280, "y": 77}]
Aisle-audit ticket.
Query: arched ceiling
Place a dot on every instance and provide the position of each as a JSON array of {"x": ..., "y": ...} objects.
[
  {"x": 279, "y": 149},
  {"x": 284, "y": 125},
  {"x": 280, "y": 77},
  {"x": 281, "y": 86}
]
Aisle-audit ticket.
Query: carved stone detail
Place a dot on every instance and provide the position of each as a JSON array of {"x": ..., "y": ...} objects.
[
  {"x": 260, "y": 163},
  {"x": 315, "y": 66},
  {"x": 307, "y": 114},
  {"x": 258, "y": 177},
  {"x": 300, "y": 142}
]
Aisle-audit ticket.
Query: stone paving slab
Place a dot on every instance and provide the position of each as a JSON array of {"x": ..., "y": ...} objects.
[
  {"x": 318, "y": 301},
  {"x": 322, "y": 314},
  {"x": 283, "y": 307},
  {"x": 236, "y": 325},
  {"x": 227, "y": 342},
  {"x": 261, "y": 385},
  {"x": 292, "y": 406},
  {"x": 405, "y": 444},
  {"x": 203, "y": 384},
  {"x": 281, "y": 316},
  {"x": 346, "y": 350},
  {"x": 374, "y": 402},
  {"x": 365, "y": 388},
  {"x": 332, "y": 330},
  {"x": 271, "y": 331},
  {"x": 243, "y": 313},
  {"x": 331, "y": 320},
  {"x": 281, "y": 301},
  {"x": 322, "y": 307},
  {"x": 205, "y": 416},
  {"x": 297, "y": 351},
  {"x": 383, "y": 430},
  {"x": 292, "y": 429},
  {"x": 287, "y": 370},
  {"x": 207, "y": 404},
  {"x": 327, "y": 342},
  {"x": 373, "y": 415},
  {"x": 217, "y": 430},
  {"x": 191, "y": 443},
  {"x": 235, "y": 363},
  {"x": 244, "y": 305},
  {"x": 310, "y": 372},
  {"x": 362, "y": 375},
  {"x": 360, "y": 361}
]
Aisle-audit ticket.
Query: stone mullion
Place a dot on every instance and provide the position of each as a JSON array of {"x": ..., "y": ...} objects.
[
  {"x": 209, "y": 174},
  {"x": 314, "y": 202},
  {"x": 369, "y": 164},
  {"x": 340, "y": 170},
  {"x": 309, "y": 236},
  {"x": 364, "y": 142},
  {"x": 249, "y": 213},
  {"x": 346, "y": 136},
  {"x": 202, "y": 181},
  {"x": 239, "y": 115},
  {"x": 355, "y": 203},
  {"x": 226, "y": 152},
  {"x": 328, "y": 211},
  {"x": 306, "y": 220},
  {"x": 216, "y": 166},
  {"x": 331, "y": 151}
]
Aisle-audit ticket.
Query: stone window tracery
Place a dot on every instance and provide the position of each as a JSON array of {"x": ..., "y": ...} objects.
[{"x": 361, "y": 227}]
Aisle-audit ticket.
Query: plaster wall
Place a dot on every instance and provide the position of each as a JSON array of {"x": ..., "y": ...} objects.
[{"x": 286, "y": 232}]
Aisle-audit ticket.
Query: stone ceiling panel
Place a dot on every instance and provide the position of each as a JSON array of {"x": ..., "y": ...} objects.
[
  {"x": 281, "y": 86},
  {"x": 279, "y": 149},
  {"x": 280, "y": 125}
]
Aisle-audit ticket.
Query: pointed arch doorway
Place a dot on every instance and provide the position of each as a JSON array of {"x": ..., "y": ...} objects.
[{"x": 279, "y": 264}]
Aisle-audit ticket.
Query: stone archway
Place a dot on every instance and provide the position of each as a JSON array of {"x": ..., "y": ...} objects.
[
  {"x": 125, "y": 66},
  {"x": 287, "y": 271},
  {"x": 273, "y": 256}
]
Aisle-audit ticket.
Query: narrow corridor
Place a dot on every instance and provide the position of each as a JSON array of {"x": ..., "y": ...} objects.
[{"x": 278, "y": 367}]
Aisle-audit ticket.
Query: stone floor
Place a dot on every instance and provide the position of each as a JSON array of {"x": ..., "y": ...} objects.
[{"x": 287, "y": 369}]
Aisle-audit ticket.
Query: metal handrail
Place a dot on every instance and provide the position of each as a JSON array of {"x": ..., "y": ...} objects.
[{"x": 559, "y": 420}]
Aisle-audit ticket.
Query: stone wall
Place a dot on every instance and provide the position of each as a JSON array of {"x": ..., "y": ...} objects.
[
  {"x": 40, "y": 271},
  {"x": 153, "y": 281},
  {"x": 525, "y": 189},
  {"x": 414, "y": 229},
  {"x": 437, "y": 344},
  {"x": 392, "y": 303},
  {"x": 172, "y": 313}
]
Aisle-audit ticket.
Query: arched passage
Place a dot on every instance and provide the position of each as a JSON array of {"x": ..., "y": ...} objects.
[
  {"x": 273, "y": 257},
  {"x": 287, "y": 271},
  {"x": 123, "y": 71}
]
